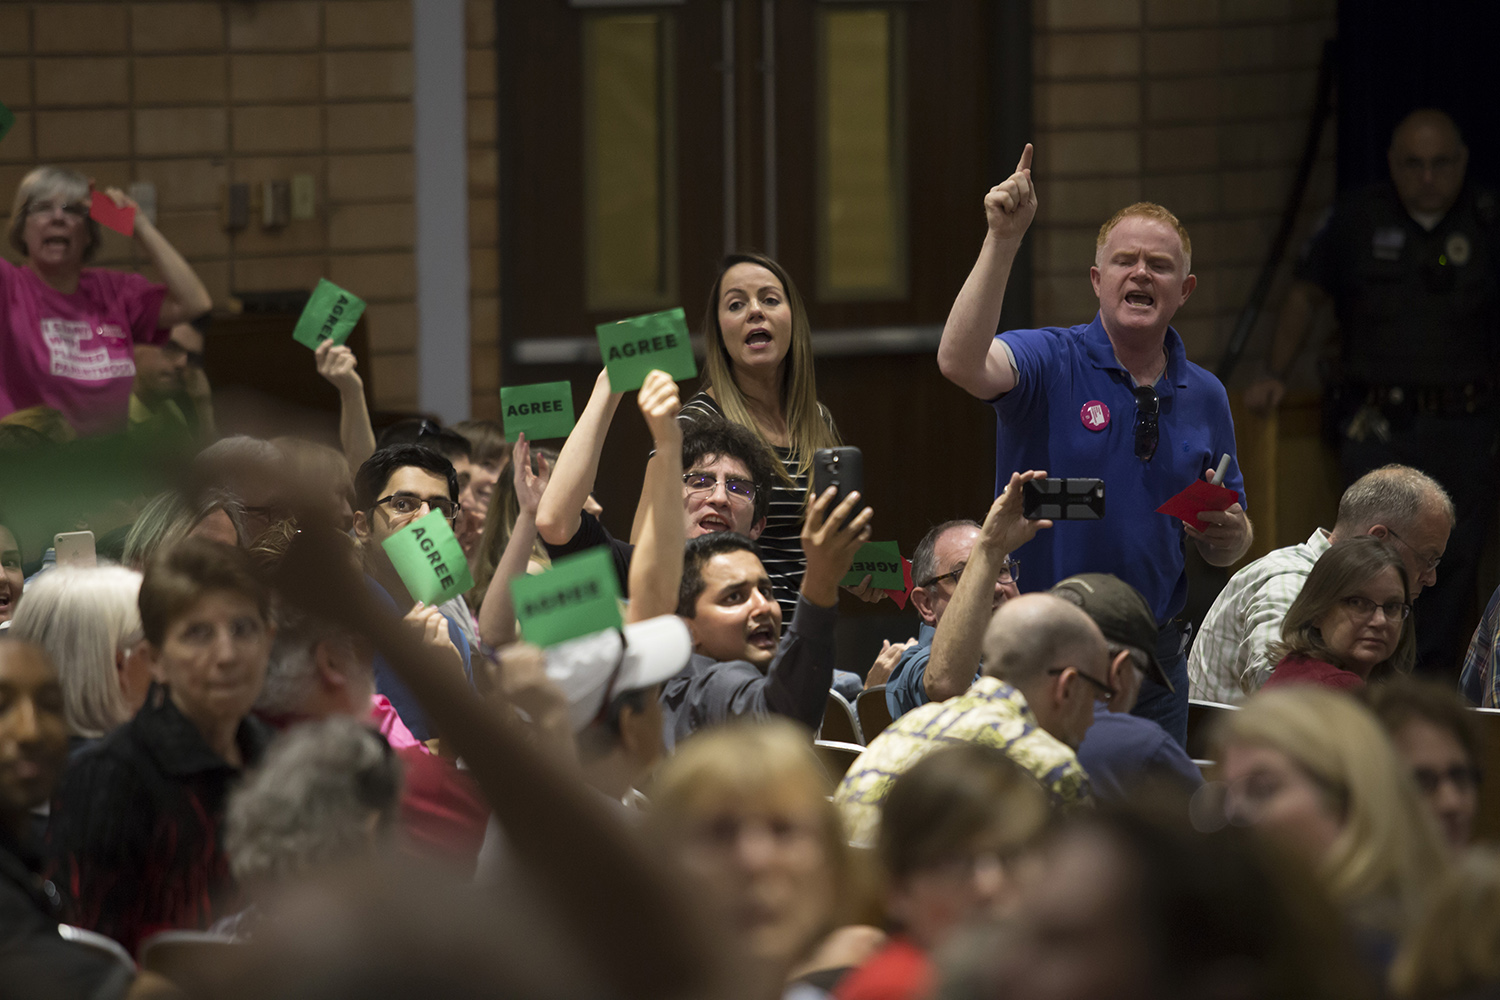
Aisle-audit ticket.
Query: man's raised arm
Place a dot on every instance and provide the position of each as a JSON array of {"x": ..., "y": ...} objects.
[
  {"x": 559, "y": 515},
  {"x": 969, "y": 356},
  {"x": 959, "y": 636}
]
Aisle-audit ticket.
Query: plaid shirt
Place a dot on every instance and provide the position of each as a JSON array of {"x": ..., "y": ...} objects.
[
  {"x": 991, "y": 713},
  {"x": 1228, "y": 660},
  {"x": 1480, "y": 681}
]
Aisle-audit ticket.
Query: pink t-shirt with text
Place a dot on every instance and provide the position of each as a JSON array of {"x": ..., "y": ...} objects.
[{"x": 75, "y": 353}]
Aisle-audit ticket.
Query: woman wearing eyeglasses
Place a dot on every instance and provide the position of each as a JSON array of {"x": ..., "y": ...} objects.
[
  {"x": 67, "y": 332},
  {"x": 1350, "y": 623}
]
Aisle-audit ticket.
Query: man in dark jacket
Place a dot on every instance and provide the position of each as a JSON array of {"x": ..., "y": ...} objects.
[{"x": 35, "y": 960}]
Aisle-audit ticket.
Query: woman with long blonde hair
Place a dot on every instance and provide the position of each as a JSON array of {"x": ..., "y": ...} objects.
[
  {"x": 759, "y": 373},
  {"x": 1313, "y": 769}
]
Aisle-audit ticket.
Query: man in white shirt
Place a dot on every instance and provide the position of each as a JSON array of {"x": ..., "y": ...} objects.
[{"x": 1228, "y": 660}]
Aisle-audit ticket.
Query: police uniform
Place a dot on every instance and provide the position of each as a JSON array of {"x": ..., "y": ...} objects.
[
  {"x": 1419, "y": 321},
  {"x": 1073, "y": 413}
]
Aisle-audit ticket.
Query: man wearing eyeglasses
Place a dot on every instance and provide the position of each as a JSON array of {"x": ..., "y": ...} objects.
[
  {"x": 1115, "y": 399},
  {"x": 393, "y": 488},
  {"x": 1411, "y": 266},
  {"x": 171, "y": 394},
  {"x": 965, "y": 568}
]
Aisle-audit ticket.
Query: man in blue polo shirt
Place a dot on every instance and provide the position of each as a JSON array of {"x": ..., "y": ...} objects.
[{"x": 1115, "y": 399}]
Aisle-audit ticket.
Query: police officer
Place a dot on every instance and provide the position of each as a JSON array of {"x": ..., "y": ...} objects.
[
  {"x": 1410, "y": 266},
  {"x": 1115, "y": 399}
]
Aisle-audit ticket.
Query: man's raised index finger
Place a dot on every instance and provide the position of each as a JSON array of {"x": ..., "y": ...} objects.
[{"x": 1024, "y": 163}]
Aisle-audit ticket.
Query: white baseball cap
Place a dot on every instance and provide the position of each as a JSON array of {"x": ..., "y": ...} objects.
[{"x": 584, "y": 668}]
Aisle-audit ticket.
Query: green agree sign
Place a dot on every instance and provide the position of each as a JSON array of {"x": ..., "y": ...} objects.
[
  {"x": 540, "y": 411},
  {"x": 881, "y": 562},
  {"x": 330, "y": 315},
  {"x": 429, "y": 559},
  {"x": 632, "y": 347},
  {"x": 578, "y": 596}
]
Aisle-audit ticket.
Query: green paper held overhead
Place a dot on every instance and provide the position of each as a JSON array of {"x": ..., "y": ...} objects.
[
  {"x": 7, "y": 120},
  {"x": 633, "y": 347},
  {"x": 330, "y": 315},
  {"x": 429, "y": 560},
  {"x": 881, "y": 562},
  {"x": 578, "y": 596},
  {"x": 540, "y": 411}
]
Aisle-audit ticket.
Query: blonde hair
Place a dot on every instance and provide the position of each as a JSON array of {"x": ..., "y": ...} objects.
[
  {"x": 1456, "y": 947},
  {"x": 1389, "y": 849},
  {"x": 752, "y": 760},
  {"x": 1146, "y": 210},
  {"x": 45, "y": 182},
  {"x": 499, "y": 522},
  {"x": 83, "y": 617},
  {"x": 808, "y": 423}
]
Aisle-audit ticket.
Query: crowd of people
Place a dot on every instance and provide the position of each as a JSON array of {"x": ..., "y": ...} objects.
[{"x": 238, "y": 756}]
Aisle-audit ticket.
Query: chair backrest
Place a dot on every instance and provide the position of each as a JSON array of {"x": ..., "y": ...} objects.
[
  {"x": 98, "y": 942},
  {"x": 1201, "y": 718},
  {"x": 873, "y": 712},
  {"x": 190, "y": 960},
  {"x": 1487, "y": 821},
  {"x": 836, "y": 757},
  {"x": 839, "y": 723}
]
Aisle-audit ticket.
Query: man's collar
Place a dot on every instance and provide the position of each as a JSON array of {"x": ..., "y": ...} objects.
[
  {"x": 178, "y": 746},
  {"x": 1101, "y": 351}
]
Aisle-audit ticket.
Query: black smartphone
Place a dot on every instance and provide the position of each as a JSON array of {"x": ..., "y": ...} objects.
[
  {"x": 843, "y": 468},
  {"x": 1063, "y": 499}
]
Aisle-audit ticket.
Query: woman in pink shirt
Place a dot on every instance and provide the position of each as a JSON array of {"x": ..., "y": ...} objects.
[
  {"x": 1350, "y": 622},
  {"x": 68, "y": 333}
]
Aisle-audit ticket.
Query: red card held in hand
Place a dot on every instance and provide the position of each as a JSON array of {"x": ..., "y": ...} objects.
[
  {"x": 900, "y": 596},
  {"x": 103, "y": 210},
  {"x": 1200, "y": 495}
]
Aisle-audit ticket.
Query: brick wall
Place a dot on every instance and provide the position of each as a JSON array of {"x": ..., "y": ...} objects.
[
  {"x": 1198, "y": 104},
  {"x": 196, "y": 95}
]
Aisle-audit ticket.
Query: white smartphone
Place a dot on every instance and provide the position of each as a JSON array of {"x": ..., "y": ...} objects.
[{"x": 75, "y": 548}]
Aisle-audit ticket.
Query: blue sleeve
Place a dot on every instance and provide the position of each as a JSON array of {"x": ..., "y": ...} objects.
[
  {"x": 906, "y": 689},
  {"x": 1170, "y": 758},
  {"x": 1035, "y": 352},
  {"x": 456, "y": 634}
]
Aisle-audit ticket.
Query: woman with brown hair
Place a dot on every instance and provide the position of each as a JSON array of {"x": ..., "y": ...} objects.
[
  {"x": 759, "y": 374},
  {"x": 1350, "y": 623}
]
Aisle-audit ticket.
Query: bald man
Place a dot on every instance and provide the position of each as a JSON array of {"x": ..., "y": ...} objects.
[
  {"x": 1410, "y": 266},
  {"x": 1045, "y": 664}
]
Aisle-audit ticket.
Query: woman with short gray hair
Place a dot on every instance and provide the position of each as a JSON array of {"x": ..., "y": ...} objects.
[
  {"x": 68, "y": 333},
  {"x": 327, "y": 793},
  {"x": 87, "y": 620}
]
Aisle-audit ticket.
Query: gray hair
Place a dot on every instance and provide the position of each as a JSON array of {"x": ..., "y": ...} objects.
[
  {"x": 1393, "y": 495},
  {"x": 168, "y": 517},
  {"x": 46, "y": 182},
  {"x": 310, "y": 801},
  {"x": 924, "y": 560},
  {"x": 291, "y": 675},
  {"x": 84, "y": 616}
]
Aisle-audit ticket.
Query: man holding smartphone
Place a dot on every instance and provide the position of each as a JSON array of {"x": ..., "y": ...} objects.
[{"x": 1115, "y": 399}]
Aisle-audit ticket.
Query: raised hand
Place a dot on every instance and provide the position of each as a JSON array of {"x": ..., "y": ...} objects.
[
  {"x": 1010, "y": 205},
  {"x": 830, "y": 540},
  {"x": 1006, "y": 527},
  {"x": 529, "y": 485},
  {"x": 337, "y": 364},
  {"x": 659, "y": 403}
]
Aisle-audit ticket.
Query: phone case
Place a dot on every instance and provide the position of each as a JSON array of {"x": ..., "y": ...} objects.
[
  {"x": 840, "y": 467},
  {"x": 1063, "y": 499}
]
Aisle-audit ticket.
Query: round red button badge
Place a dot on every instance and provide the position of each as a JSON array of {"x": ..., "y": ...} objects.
[{"x": 1095, "y": 415}]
